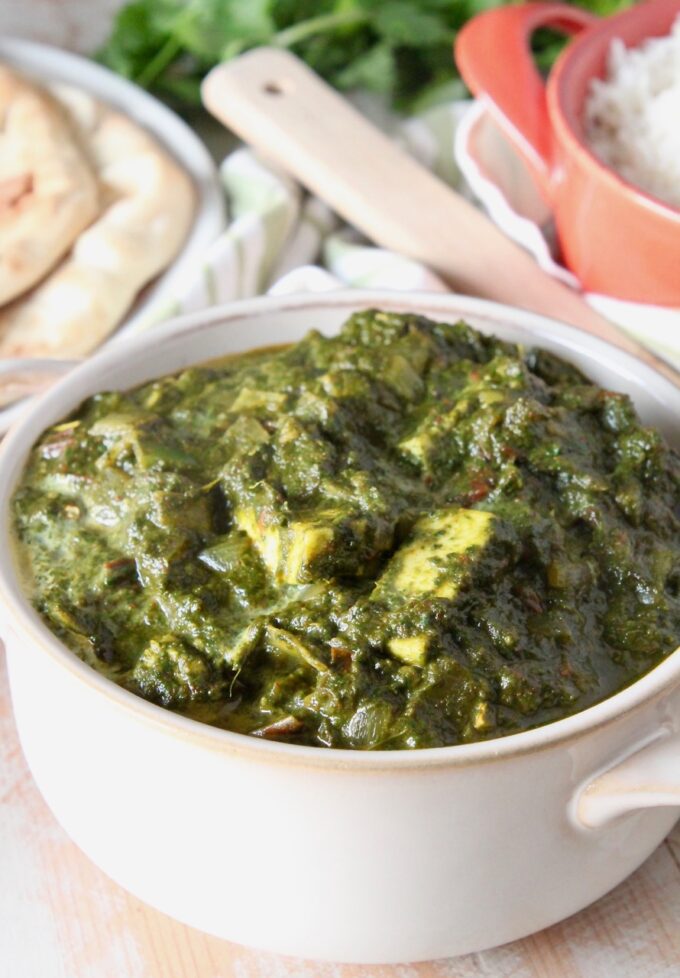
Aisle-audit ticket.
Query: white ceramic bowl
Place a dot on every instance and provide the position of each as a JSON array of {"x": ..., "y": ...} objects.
[
  {"x": 47, "y": 64},
  {"x": 351, "y": 856}
]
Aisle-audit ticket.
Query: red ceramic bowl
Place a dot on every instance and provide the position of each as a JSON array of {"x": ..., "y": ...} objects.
[{"x": 617, "y": 239}]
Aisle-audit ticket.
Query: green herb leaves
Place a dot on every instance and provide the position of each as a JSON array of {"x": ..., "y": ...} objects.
[{"x": 401, "y": 49}]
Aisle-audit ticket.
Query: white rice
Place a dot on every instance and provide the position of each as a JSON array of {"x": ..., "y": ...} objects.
[{"x": 633, "y": 117}]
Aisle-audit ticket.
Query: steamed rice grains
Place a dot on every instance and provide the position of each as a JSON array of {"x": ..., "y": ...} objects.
[{"x": 633, "y": 116}]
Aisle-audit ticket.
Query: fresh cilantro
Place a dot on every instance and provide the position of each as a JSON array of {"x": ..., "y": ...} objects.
[{"x": 401, "y": 48}]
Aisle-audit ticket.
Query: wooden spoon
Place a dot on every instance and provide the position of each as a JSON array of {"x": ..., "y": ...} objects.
[{"x": 273, "y": 101}]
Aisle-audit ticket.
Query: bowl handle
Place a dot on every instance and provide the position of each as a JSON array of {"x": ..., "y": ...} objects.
[
  {"x": 647, "y": 778},
  {"x": 494, "y": 58}
]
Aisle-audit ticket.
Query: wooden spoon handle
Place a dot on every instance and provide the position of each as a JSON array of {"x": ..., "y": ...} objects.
[{"x": 273, "y": 101}]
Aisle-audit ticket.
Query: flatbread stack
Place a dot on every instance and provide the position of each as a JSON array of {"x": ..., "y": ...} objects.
[{"x": 91, "y": 209}]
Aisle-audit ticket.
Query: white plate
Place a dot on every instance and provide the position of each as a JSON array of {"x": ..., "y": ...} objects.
[{"x": 47, "y": 64}]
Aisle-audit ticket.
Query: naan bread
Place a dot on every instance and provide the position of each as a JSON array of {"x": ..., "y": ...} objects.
[
  {"x": 48, "y": 190},
  {"x": 148, "y": 206}
]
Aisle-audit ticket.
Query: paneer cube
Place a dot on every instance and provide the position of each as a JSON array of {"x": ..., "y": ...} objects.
[
  {"x": 265, "y": 534},
  {"x": 412, "y": 650},
  {"x": 325, "y": 544},
  {"x": 435, "y": 560},
  {"x": 249, "y": 399},
  {"x": 422, "y": 445}
]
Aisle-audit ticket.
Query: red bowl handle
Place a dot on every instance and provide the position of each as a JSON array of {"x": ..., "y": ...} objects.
[{"x": 494, "y": 58}]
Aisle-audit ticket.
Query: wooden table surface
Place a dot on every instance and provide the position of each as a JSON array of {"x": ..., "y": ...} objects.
[{"x": 60, "y": 917}]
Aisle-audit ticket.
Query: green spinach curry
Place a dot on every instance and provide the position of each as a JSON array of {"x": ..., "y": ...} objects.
[{"x": 408, "y": 535}]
